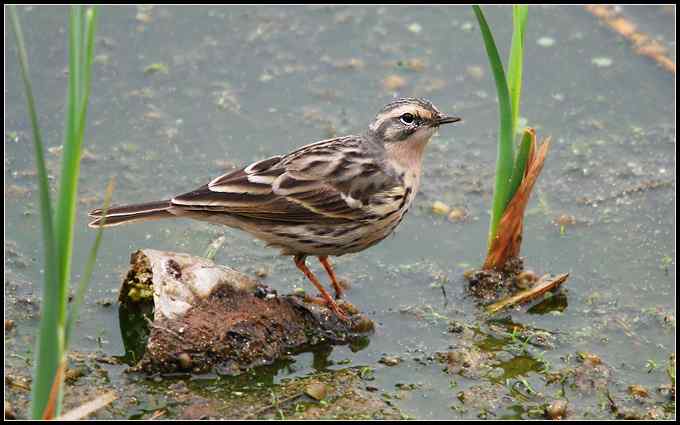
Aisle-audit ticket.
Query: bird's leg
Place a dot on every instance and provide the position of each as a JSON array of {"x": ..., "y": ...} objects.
[
  {"x": 323, "y": 259},
  {"x": 330, "y": 302}
]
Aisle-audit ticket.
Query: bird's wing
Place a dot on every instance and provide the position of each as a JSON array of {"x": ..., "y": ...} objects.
[{"x": 331, "y": 181}]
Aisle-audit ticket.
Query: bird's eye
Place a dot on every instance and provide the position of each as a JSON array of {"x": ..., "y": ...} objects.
[{"x": 407, "y": 119}]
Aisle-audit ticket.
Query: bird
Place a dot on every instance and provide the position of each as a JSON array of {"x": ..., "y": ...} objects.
[{"x": 333, "y": 197}]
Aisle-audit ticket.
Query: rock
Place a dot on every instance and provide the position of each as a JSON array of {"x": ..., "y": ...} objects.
[
  {"x": 440, "y": 208},
  {"x": 457, "y": 214},
  {"x": 316, "y": 390},
  {"x": 210, "y": 316},
  {"x": 556, "y": 410},
  {"x": 390, "y": 360},
  {"x": 184, "y": 361}
]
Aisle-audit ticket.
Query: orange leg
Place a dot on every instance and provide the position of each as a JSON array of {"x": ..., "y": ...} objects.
[
  {"x": 301, "y": 264},
  {"x": 323, "y": 259}
]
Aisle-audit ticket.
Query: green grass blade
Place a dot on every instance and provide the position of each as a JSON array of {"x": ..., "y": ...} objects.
[
  {"x": 49, "y": 344},
  {"x": 505, "y": 157},
  {"x": 81, "y": 53},
  {"x": 519, "y": 19},
  {"x": 86, "y": 277},
  {"x": 88, "y": 50},
  {"x": 70, "y": 170},
  {"x": 75, "y": 52},
  {"x": 521, "y": 161},
  {"x": 58, "y": 226}
]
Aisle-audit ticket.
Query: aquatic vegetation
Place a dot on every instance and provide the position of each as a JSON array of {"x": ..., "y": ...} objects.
[
  {"x": 517, "y": 167},
  {"x": 56, "y": 322}
]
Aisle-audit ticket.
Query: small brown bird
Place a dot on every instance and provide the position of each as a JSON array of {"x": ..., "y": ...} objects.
[{"x": 332, "y": 197}]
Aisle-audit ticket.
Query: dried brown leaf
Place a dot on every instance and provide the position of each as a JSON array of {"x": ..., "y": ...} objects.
[{"x": 508, "y": 239}]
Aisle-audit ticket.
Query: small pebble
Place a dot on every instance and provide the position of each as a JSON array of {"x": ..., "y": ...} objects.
[
  {"x": 316, "y": 390},
  {"x": 602, "y": 62},
  {"x": 545, "y": 42},
  {"x": 457, "y": 214},
  {"x": 565, "y": 219},
  {"x": 9, "y": 324},
  {"x": 415, "y": 28},
  {"x": 556, "y": 410},
  {"x": 440, "y": 208},
  {"x": 184, "y": 361},
  {"x": 467, "y": 26},
  {"x": 390, "y": 360}
]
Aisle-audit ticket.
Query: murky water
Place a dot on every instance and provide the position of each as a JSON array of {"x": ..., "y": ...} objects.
[{"x": 246, "y": 82}]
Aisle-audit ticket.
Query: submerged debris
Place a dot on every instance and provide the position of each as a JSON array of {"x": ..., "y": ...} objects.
[
  {"x": 157, "y": 67},
  {"x": 545, "y": 285}
]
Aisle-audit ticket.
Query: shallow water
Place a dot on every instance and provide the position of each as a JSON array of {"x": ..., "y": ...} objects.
[{"x": 247, "y": 82}]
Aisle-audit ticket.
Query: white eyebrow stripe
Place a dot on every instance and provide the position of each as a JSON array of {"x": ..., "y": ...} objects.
[{"x": 399, "y": 111}]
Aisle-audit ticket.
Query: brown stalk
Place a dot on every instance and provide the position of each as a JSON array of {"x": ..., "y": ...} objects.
[
  {"x": 508, "y": 238},
  {"x": 51, "y": 407}
]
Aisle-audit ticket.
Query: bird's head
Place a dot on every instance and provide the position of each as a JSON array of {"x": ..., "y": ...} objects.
[{"x": 409, "y": 121}]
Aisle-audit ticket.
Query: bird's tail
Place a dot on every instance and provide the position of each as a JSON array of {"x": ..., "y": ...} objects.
[{"x": 130, "y": 213}]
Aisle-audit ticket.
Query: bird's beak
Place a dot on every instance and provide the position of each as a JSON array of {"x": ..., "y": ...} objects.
[{"x": 446, "y": 120}]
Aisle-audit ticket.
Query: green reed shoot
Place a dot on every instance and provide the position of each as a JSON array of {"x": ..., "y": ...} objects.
[
  {"x": 509, "y": 166},
  {"x": 57, "y": 224}
]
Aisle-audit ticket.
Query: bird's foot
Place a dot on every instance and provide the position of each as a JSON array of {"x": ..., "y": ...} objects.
[{"x": 331, "y": 304}]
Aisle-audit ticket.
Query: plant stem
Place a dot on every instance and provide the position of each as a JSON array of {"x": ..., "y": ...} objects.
[{"x": 505, "y": 156}]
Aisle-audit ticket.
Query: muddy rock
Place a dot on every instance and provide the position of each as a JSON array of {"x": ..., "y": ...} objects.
[{"x": 207, "y": 315}]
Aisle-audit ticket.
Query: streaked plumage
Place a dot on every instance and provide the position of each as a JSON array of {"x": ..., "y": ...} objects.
[{"x": 331, "y": 197}]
